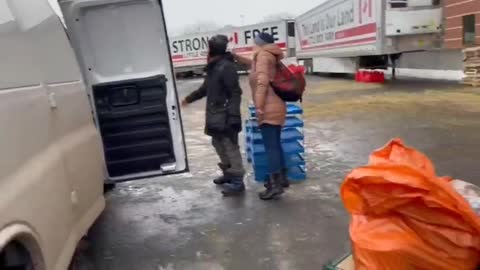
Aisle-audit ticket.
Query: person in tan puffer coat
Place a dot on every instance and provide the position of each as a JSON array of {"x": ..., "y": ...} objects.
[{"x": 271, "y": 110}]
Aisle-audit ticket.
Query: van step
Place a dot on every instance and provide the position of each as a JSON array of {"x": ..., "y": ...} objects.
[
  {"x": 137, "y": 150},
  {"x": 134, "y": 136},
  {"x": 138, "y": 165},
  {"x": 131, "y": 111},
  {"x": 132, "y": 160},
  {"x": 133, "y": 122}
]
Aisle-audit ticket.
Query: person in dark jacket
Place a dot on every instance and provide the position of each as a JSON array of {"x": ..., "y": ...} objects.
[{"x": 223, "y": 120}]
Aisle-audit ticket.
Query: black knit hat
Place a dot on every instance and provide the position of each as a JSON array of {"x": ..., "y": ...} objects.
[
  {"x": 263, "y": 39},
  {"x": 217, "y": 45}
]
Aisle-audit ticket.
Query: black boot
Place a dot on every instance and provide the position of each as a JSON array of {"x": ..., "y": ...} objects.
[
  {"x": 268, "y": 182},
  {"x": 222, "y": 179},
  {"x": 276, "y": 189},
  {"x": 234, "y": 188},
  {"x": 284, "y": 178}
]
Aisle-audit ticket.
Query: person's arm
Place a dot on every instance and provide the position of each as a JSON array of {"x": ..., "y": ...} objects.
[
  {"x": 262, "y": 68},
  {"x": 196, "y": 95},
  {"x": 243, "y": 60}
]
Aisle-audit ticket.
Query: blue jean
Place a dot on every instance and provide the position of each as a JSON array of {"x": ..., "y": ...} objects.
[{"x": 273, "y": 147}]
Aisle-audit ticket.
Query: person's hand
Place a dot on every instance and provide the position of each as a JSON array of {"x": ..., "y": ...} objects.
[
  {"x": 259, "y": 112},
  {"x": 235, "y": 56},
  {"x": 184, "y": 103}
]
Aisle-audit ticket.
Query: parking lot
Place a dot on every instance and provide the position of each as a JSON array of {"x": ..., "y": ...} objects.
[{"x": 183, "y": 223}]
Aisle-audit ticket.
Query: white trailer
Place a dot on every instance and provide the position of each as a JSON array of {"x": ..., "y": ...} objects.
[
  {"x": 342, "y": 36},
  {"x": 189, "y": 52}
]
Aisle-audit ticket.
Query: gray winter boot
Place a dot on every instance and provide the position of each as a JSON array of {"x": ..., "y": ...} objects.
[
  {"x": 234, "y": 188},
  {"x": 222, "y": 179}
]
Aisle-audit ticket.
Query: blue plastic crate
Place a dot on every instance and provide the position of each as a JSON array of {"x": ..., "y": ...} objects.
[
  {"x": 288, "y": 135},
  {"x": 291, "y": 122},
  {"x": 260, "y": 159},
  {"x": 291, "y": 160},
  {"x": 292, "y": 109},
  {"x": 288, "y": 148}
]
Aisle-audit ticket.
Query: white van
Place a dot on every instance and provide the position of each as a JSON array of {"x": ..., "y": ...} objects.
[{"x": 115, "y": 63}]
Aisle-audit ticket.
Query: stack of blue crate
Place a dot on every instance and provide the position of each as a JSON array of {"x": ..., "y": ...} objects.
[{"x": 292, "y": 144}]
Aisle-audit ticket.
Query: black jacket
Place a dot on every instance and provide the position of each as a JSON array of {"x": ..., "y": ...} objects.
[{"x": 224, "y": 96}]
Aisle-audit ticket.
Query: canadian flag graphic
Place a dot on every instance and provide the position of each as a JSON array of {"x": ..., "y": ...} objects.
[
  {"x": 234, "y": 38},
  {"x": 365, "y": 10}
]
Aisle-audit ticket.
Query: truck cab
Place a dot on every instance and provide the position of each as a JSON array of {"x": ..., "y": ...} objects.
[{"x": 91, "y": 103}]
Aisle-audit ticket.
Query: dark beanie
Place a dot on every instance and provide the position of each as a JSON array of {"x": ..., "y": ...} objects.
[
  {"x": 217, "y": 45},
  {"x": 264, "y": 39}
]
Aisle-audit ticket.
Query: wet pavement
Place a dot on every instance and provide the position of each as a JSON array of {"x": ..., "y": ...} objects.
[{"x": 182, "y": 222}]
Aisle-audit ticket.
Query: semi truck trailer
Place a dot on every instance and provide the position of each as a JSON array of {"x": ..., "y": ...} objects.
[{"x": 343, "y": 36}]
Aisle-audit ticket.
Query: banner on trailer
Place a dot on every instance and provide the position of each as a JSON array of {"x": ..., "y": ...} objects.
[
  {"x": 192, "y": 50},
  {"x": 337, "y": 24}
]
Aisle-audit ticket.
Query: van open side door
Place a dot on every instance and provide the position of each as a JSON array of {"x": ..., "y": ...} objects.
[{"x": 123, "y": 50}]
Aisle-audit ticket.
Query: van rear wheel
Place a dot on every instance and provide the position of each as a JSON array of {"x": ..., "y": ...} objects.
[
  {"x": 15, "y": 257},
  {"x": 80, "y": 260},
  {"x": 107, "y": 187}
]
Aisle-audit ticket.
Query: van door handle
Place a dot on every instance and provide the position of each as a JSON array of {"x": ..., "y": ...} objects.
[{"x": 174, "y": 112}]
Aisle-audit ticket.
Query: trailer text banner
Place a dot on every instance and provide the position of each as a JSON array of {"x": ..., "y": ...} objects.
[
  {"x": 338, "y": 24},
  {"x": 191, "y": 50}
]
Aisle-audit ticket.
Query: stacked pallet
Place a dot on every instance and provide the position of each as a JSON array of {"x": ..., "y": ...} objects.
[
  {"x": 292, "y": 144},
  {"x": 472, "y": 66}
]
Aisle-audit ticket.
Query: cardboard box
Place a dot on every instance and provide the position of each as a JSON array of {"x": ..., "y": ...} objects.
[{"x": 345, "y": 263}]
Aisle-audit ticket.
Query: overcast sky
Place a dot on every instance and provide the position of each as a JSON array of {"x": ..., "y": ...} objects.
[{"x": 182, "y": 13}]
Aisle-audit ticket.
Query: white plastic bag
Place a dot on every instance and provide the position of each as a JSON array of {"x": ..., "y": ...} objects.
[{"x": 470, "y": 192}]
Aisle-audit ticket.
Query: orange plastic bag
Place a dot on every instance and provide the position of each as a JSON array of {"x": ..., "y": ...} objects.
[{"x": 405, "y": 217}]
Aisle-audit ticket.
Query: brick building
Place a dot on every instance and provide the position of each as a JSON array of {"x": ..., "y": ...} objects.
[{"x": 462, "y": 23}]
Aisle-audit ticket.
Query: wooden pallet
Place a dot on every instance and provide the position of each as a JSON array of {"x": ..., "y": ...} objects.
[
  {"x": 472, "y": 65},
  {"x": 472, "y": 72},
  {"x": 472, "y": 59},
  {"x": 473, "y": 62},
  {"x": 472, "y": 52},
  {"x": 472, "y": 77},
  {"x": 472, "y": 82}
]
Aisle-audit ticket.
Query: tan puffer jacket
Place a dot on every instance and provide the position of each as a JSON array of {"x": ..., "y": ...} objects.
[{"x": 263, "y": 71}]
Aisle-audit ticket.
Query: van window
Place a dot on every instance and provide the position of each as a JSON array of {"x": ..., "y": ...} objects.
[
  {"x": 57, "y": 10},
  {"x": 469, "y": 30},
  {"x": 17, "y": 68},
  {"x": 32, "y": 55},
  {"x": 5, "y": 13}
]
